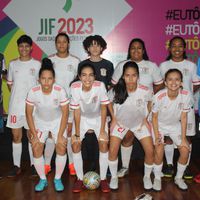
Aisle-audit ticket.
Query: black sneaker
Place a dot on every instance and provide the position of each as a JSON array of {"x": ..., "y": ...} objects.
[
  {"x": 187, "y": 174},
  {"x": 33, "y": 171},
  {"x": 14, "y": 172},
  {"x": 168, "y": 171}
]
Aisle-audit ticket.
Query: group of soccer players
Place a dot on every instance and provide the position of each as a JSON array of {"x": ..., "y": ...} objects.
[{"x": 61, "y": 100}]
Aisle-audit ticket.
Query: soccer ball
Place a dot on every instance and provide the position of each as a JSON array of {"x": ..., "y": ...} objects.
[{"x": 91, "y": 180}]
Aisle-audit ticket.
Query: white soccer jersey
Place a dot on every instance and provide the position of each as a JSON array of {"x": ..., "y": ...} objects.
[
  {"x": 47, "y": 107},
  {"x": 22, "y": 75},
  {"x": 133, "y": 111},
  {"x": 169, "y": 111},
  {"x": 65, "y": 69},
  {"x": 89, "y": 102},
  {"x": 188, "y": 69},
  {"x": 149, "y": 73}
]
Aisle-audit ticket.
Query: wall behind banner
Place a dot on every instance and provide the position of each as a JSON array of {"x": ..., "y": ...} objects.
[{"x": 118, "y": 21}]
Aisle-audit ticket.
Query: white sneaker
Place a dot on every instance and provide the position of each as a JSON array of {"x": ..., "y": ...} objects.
[
  {"x": 157, "y": 185},
  {"x": 122, "y": 172},
  {"x": 147, "y": 183},
  {"x": 114, "y": 183},
  {"x": 180, "y": 183}
]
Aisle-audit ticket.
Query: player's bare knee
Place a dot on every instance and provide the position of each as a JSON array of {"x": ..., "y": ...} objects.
[
  {"x": 103, "y": 146},
  {"x": 76, "y": 147},
  {"x": 60, "y": 149}
]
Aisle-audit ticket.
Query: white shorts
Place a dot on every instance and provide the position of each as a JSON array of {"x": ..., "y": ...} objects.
[
  {"x": 17, "y": 121},
  {"x": 44, "y": 128},
  {"x": 176, "y": 138},
  {"x": 191, "y": 129},
  {"x": 89, "y": 124},
  {"x": 120, "y": 132}
]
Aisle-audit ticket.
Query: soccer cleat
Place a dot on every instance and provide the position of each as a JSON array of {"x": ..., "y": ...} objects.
[
  {"x": 187, "y": 174},
  {"x": 47, "y": 169},
  {"x": 197, "y": 178},
  {"x": 78, "y": 186},
  {"x": 157, "y": 185},
  {"x": 147, "y": 183},
  {"x": 33, "y": 171},
  {"x": 168, "y": 171},
  {"x": 41, "y": 185},
  {"x": 104, "y": 186},
  {"x": 72, "y": 170},
  {"x": 122, "y": 172},
  {"x": 180, "y": 183},
  {"x": 114, "y": 183},
  {"x": 59, "y": 187},
  {"x": 14, "y": 172}
]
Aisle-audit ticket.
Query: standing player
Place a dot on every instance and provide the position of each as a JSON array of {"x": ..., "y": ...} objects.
[
  {"x": 169, "y": 117},
  {"x": 89, "y": 101},
  {"x": 150, "y": 76},
  {"x": 94, "y": 45},
  {"x": 65, "y": 66},
  {"x": 131, "y": 105},
  {"x": 22, "y": 75},
  {"x": 177, "y": 59},
  {"x": 50, "y": 105}
]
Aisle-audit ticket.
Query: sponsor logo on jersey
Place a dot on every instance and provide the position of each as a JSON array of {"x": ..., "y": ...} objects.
[
  {"x": 144, "y": 70},
  {"x": 70, "y": 68},
  {"x": 55, "y": 102},
  {"x": 32, "y": 71}
]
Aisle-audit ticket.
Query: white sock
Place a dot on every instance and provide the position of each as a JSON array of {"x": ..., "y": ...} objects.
[
  {"x": 49, "y": 150},
  {"x": 30, "y": 153},
  {"x": 113, "y": 167},
  {"x": 103, "y": 164},
  {"x": 60, "y": 165},
  {"x": 126, "y": 155},
  {"x": 180, "y": 170},
  {"x": 39, "y": 166},
  {"x": 188, "y": 162},
  {"x": 78, "y": 165},
  {"x": 69, "y": 150},
  {"x": 169, "y": 153},
  {"x": 147, "y": 170},
  {"x": 17, "y": 153},
  {"x": 158, "y": 171}
]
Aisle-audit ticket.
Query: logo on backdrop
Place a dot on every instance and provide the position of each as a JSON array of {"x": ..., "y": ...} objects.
[{"x": 78, "y": 21}]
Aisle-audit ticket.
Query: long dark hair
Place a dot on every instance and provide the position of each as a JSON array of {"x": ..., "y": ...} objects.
[
  {"x": 80, "y": 69},
  {"x": 170, "y": 45},
  {"x": 46, "y": 65},
  {"x": 145, "y": 55},
  {"x": 120, "y": 91}
]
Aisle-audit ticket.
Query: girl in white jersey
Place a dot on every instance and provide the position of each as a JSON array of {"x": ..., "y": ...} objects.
[
  {"x": 49, "y": 103},
  {"x": 22, "y": 75},
  {"x": 169, "y": 118},
  {"x": 149, "y": 76},
  {"x": 177, "y": 59},
  {"x": 89, "y": 100},
  {"x": 131, "y": 103},
  {"x": 65, "y": 66}
]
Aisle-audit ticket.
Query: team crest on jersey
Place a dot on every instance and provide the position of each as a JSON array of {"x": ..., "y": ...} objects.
[
  {"x": 94, "y": 99},
  {"x": 32, "y": 71},
  {"x": 180, "y": 106},
  {"x": 139, "y": 102},
  {"x": 103, "y": 72},
  {"x": 145, "y": 70},
  {"x": 185, "y": 72},
  {"x": 55, "y": 102},
  {"x": 70, "y": 68}
]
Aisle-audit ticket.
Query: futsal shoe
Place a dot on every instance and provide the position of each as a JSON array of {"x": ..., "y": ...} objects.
[
  {"x": 59, "y": 187},
  {"x": 168, "y": 171},
  {"x": 187, "y": 174},
  {"x": 47, "y": 169},
  {"x": 72, "y": 170},
  {"x": 14, "y": 172},
  {"x": 197, "y": 178},
  {"x": 104, "y": 186},
  {"x": 41, "y": 185},
  {"x": 122, "y": 172},
  {"x": 78, "y": 186}
]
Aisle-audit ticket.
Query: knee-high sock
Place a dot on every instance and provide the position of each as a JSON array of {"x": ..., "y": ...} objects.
[
  {"x": 39, "y": 166},
  {"x": 78, "y": 165},
  {"x": 49, "y": 150},
  {"x": 180, "y": 170},
  {"x": 103, "y": 164},
  {"x": 60, "y": 165},
  {"x": 126, "y": 155},
  {"x": 147, "y": 170},
  {"x": 17, "y": 153},
  {"x": 113, "y": 167},
  {"x": 30, "y": 153},
  {"x": 169, "y": 153},
  {"x": 158, "y": 171},
  {"x": 69, "y": 150}
]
